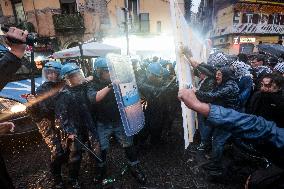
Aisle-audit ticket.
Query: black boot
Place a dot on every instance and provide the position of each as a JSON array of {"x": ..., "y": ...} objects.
[
  {"x": 101, "y": 169},
  {"x": 100, "y": 175},
  {"x": 135, "y": 169},
  {"x": 58, "y": 182},
  {"x": 55, "y": 168},
  {"x": 138, "y": 174},
  {"x": 74, "y": 174}
]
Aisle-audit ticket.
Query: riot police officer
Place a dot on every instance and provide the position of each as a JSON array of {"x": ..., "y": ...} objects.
[
  {"x": 151, "y": 89},
  {"x": 73, "y": 112},
  {"x": 109, "y": 123},
  {"x": 43, "y": 113}
]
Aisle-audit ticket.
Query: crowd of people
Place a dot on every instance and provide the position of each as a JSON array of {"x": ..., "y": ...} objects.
[
  {"x": 246, "y": 84},
  {"x": 74, "y": 112}
]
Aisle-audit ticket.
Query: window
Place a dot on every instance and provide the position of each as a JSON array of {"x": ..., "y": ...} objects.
[
  {"x": 247, "y": 18},
  {"x": 68, "y": 6},
  {"x": 144, "y": 22},
  {"x": 159, "y": 26},
  {"x": 18, "y": 11}
]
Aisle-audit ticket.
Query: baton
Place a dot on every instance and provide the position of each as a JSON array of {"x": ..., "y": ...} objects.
[
  {"x": 167, "y": 86},
  {"x": 88, "y": 149}
]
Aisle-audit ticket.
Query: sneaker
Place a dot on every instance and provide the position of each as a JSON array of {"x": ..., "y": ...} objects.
[{"x": 138, "y": 174}]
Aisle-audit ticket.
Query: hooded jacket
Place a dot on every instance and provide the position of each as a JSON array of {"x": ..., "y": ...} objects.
[
  {"x": 207, "y": 84},
  {"x": 226, "y": 94}
]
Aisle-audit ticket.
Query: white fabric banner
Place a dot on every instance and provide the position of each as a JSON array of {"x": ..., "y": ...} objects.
[{"x": 184, "y": 37}]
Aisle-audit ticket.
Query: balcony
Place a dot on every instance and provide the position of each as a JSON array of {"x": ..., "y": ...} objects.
[{"x": 68, "y": 22}]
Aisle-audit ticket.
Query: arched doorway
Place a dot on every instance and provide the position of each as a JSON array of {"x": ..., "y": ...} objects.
[{"x": 72, "y": 44}]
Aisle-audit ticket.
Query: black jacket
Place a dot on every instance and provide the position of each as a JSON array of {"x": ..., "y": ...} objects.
[
  {"x": 9, "y": 64},
  {"x": 226, "y": 94},
  {"x": 107, "y": 109},
  {"x": 269, "y": 106},
  {"x": 73, "y": 109}
]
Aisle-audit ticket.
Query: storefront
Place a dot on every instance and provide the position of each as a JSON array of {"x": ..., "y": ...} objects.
[{"x": 235, "y": 44}]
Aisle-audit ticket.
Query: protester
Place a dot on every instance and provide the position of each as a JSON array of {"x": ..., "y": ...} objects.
[
  {"x": 225, "y": 94},
  {"x": 259, "y": 69},
  {"x": 279, "y": 68},
  {"x": 206, "y": 84},
  {"x": 269, "y": 101},
  {"x": 245, "y": 82},
  {"x": 265, "y": 135}
]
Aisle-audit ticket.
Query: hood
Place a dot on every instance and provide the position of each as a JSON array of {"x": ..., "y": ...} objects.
[{"x": 227, "y": 74}]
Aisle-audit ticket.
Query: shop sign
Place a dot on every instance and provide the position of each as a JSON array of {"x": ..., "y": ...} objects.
[{"x": 247, "y": 40}]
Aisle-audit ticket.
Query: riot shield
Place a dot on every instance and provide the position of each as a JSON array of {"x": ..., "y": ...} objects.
[{"x": 126, "y": 93}]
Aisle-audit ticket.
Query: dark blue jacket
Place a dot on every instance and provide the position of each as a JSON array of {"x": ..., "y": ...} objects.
[
  {"x": 246, "y": 86},
  {"x": 73, "y": 109}
]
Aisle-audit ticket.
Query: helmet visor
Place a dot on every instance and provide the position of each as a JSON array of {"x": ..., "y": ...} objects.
[{"x": 50, "y": 74}]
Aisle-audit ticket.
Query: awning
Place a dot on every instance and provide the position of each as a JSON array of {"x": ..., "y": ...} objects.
[{"x": 92, "y": 49}]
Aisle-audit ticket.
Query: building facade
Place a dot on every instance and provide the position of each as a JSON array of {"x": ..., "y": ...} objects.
[
  {"x": 60, "y": 23},
  {"x": 145, "y": 17},
  {"x": 64, "y": 23},
  {"x": 239, "y": 26}
]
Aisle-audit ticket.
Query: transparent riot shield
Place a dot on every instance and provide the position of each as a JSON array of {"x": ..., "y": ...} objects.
[{"x": 126, "y": 93}]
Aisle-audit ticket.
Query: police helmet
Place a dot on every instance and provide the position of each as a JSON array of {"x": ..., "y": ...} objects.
[
  {"x": 51, "y": 67},
  {"x": 53, "y": 64},
  {"x": 100, "y": 65},
  {"x": 68, "y": 69},
  {"x": 155, "y": 69}
]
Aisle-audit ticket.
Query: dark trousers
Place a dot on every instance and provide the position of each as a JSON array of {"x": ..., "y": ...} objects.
[{"x": 5, "y": 180}]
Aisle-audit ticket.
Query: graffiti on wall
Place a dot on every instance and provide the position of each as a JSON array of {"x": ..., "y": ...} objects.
[{"x": 258, "y": 23}]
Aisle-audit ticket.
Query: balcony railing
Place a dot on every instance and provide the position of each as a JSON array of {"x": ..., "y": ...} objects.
[{"x": 68, "y": 22}]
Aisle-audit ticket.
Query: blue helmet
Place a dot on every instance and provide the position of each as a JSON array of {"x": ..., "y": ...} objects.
[
  {"x": 53, "y": 64},
  {"x": 155, "y": 69},
  {"x": 49, "y": 68},
  {"x": 69, "y": 68},
  {"x": 101, "y": 63}
]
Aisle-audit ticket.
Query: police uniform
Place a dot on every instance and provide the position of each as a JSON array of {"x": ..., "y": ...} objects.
[
  {"x": 73, "y": 112},
  {"x": 43, "y": 114},
  {"x": 109, "y": 123}
]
